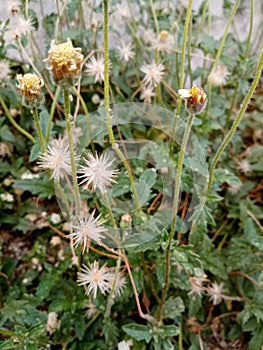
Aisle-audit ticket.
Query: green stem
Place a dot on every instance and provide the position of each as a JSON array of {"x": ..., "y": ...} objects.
[
  {"x": 179, "y": 172},
  {"x": 233, "y": 102},
  {"x": 235, "y": 123},
  {"x": 201, "y": 24},
  {"x": 186, "y": 26},
  {"x": 71, "y": 149},
  {"x": 63, "y": 197},
  {"x": 52, "y": 111},
  {"x": 222, "y": 43},
  {"x": 107, "y": 106},
  {"x": 110, "y": 299},
  {"x": 156, "y": 24},
  {"x": 14, "y": 123},
  {"x": 39, "y": 131},
  {"x": 250, "y": 27},
  {"x": 219, "y": 52},
  {"x": 181, "y": 78},
  {"x": 175, "y": 209},
  {"x": 84, "y": 106}
]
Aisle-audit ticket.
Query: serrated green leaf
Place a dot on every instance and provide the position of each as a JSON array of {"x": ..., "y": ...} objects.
[
  {"x": 138, "y": 332},
  {"x": 149, "y": 177},
  {"x": 224, "y": 175},
  {"x": 42, "y": 187},
  {"x": 257, "y": 339},
  {"x": 143, "y": 193}
]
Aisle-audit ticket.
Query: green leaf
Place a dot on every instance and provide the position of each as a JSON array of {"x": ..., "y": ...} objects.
[
  {"x": 166, "y": 331},
  {"x": 80, "y": 327},
  {"x": 5, "y": 168},
  {"x": 143, "y": 192},
  {"x": 149, "y": 177},
  {"x": 138, "y": 332},
  {"x": 224, "y": 175},
  {"x": 45, "y": 285},
  {"x": 257, "y": 339},
  {"x": 6, "y": 134},
  {"x": 44, "y": 118},
  {"x": 141, "y": 242},
  {"x": 42, "y": 187},
  {"x": 35, "y": 150},
  {"x": 173, "y": 307}
]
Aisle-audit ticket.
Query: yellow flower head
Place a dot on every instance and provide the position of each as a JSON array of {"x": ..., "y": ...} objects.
[
  {"x": 30, "y": 86},
  {"x": 64, "y": 61},
  {"x": 163, "y": 35},
  {"x": 195, "y": 99}
]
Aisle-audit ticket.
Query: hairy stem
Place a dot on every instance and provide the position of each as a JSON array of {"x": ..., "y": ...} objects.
[
  {"x": 182, "y": 70},
  {"x": 71, "y": 149},
  {"x": 231, "y": 132},
  {"x": 39, "y": 131},
  {"x": 14, "y": 123},
  {"x": 175, "y": 209}
]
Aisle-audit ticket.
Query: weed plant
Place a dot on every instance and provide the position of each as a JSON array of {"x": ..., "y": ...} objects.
[{"x": 131, "y": 167}]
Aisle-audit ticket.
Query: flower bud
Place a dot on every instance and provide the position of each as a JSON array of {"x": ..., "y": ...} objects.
[
  {"x": 30, "y": 87},
  {"x": 195, "y": 99},
  {"x": 64, "y": 62}
]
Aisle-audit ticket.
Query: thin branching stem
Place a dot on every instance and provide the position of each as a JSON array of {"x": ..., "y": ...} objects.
[
  {"x": 107, "y": 107},
  {"x": 14, "y": 123},
  {"x": 236, "y": 122}
]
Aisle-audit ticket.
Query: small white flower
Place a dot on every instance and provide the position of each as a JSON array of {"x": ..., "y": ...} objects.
[
  {"x": 12, "y": 35},
  {"x": 153, "y": 73},
  {"x": 89, "y": 229},
  {"x": 148, "y": 36},
  {"x": 25, "y": 25},
  {"x": 55, "y": 218},
  {"x": 164, "y": 42},
  {"x": 95, "y": 68},
  {"x": 91, "y": 310},
  {"x": 197, "y": 285},
  {"x": 13, "y": 7},
  {"x": 120, "y": 283},
  {"x": 218, "y": 78},
  {"x": 97, "y": 173},
  {"x": 234, "y": 189},
  {"x": 125, "y": 52},
  {"x": 244, "y": 166},
  {"x": 94, "y": 278},
  {"x": 215, "y": 292},
  {"x": 57, "y": 159},
  {"x": 52, "y": 322},
  {"x": 146, "y": 94}
]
